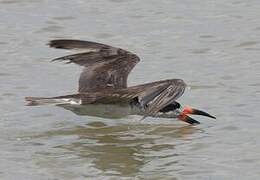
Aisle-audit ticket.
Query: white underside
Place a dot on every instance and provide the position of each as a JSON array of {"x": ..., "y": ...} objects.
[{"x": 76, "y": 105}]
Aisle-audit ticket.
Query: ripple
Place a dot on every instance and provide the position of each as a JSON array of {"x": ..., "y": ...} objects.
[
  {"x": 257, "y": 29},
  {"x": 220, "y": 41},
  {"x": 50, "y": 29},
  {"x": 64, "y": 18},
  {"x": 227, "y": 77},
  {"x": 103, "y": 35},
  {"x": 119, "y": 1},
  {"x": 248, "y": 160},
  {"x": 35, "y": 144},
  {"x": 247, "y": 43},
  {"x": 97, "y": 124},
  {"x": 230, "y": 128},
  {"x": 137, "y": 16},
  {"x": 42, "y": 115},
  {"x": 5, "y": 74},
  {"x": 252, "y": 49},
  {"x": 241, "y": 115},
  {"x": 199, "y": 146},
  {"x": 202, "y": 87},
  {"x": 3, "y": 43},
  {"x": 200, "y": 51},
  {"x": 21, "y": 87},
  {"x": 17, "y": 2},
  {"x": 189, "y": 172},
  {"x": 8, "y": 94},
  {"x": 238, "y": 3},
  {"x": 9, "y": 2},
  {"x": 170, "y": 57},
  {"x": 254, "y": 85},
  {"x": 237, "y": 16},
  {"x": 206, "y": 36},
  {"x": 240, "y": 105},
  {"x": 51, "y": 22}
]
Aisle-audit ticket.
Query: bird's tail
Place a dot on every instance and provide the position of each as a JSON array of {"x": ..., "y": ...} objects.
[{"x": 71, "y": 99}]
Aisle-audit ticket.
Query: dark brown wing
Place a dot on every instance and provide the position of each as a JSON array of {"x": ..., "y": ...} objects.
[
  {"x": 152, "y": 97},
  {"x": 105, "y": 66},
  {"x": 155, "y": 96},
  {"x": 75, "y": 44},
  {"x": 168, "y": 94}
]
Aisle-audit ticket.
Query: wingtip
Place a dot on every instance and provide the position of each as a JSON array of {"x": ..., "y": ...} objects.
[
  {"x": 74, "y": 44},
  {"x": 58, "y": 43},
  {"x": 50, "y": 43}
]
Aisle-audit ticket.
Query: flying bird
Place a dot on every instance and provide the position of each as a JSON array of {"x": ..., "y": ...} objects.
[{"x": 104, "y": 81}]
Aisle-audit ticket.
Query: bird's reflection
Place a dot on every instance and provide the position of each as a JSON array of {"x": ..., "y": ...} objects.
[
  {"x": 123, "y": 150},
  {"x": 113, "y": 111}
]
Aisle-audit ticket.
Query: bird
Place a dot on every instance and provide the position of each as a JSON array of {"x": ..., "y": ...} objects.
[{"x": 103, "y": 80}]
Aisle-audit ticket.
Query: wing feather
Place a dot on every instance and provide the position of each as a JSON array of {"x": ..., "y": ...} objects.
[
  {"x": 104, "y": 66},
  {"x": 152, "y": 97},
  {"x": 162, "y": 96},
  {"x": 166, "y": 97},
  {"x": 76, "y": 44}
]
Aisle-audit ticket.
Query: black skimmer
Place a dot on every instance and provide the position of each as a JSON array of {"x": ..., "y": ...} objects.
[{"x": 104, "y": 81}]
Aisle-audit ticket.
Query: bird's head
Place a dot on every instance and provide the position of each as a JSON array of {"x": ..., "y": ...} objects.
[{"x": 177, "y": 111}]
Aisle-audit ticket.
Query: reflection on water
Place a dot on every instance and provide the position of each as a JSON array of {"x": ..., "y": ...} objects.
[
  {"x": 99, "y": 110},
  {"x": 121, "y": 150}
]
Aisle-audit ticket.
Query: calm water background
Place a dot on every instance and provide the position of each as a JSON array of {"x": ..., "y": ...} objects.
[{"x": 213, "y": 45}]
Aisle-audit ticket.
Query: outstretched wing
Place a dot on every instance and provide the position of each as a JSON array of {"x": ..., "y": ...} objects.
[
  {"x": 168, "y": 94},
  {"x": 158, "y": 95},
  {"x": 151, "y": 97},
  {"x": 104, "y": 66}
]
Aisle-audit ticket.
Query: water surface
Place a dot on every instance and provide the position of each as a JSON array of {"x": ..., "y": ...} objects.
[{"x": 213, "y": 45}]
